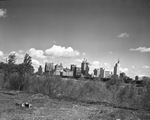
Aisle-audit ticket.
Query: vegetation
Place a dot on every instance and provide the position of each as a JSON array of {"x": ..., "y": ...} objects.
[
  {"x": 117, "y": 92},
  {"x": 15, "y": 74}
]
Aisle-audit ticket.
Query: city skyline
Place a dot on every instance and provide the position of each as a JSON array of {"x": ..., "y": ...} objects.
[{"x": 68, "y": 31}]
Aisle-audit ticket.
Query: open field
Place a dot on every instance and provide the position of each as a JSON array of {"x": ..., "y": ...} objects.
[{"x": 46, "y": 108}]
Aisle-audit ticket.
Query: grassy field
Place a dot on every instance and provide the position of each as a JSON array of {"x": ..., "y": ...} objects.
[{"x": 46, "y": 108}]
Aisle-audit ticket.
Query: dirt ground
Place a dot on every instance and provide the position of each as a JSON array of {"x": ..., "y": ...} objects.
[{"x": 46, "y": 108}]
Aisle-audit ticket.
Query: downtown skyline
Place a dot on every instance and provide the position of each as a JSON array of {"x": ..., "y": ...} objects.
[{"x": 67, "y": 31}]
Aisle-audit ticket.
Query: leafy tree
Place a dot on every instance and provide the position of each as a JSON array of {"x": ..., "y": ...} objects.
[
  {"x": 12, "y": 59},
  {"x": 27, "y": 64}
]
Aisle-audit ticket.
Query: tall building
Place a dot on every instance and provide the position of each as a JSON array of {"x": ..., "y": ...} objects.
[
  {"x": 49, "y": 67},
  {"x": 107, "y": 74},
  {"x": 73, "y": 68},
  {"x": 102, "y": 70},
  {"x": 78, "y": 72},
  {"x": 58, "y": 69},
  {"x": 85, "y": 67},
  {"x": 96, "y": 72},
  {"x": 40, "y": 71},
  {"x": 115, "y": 70}
]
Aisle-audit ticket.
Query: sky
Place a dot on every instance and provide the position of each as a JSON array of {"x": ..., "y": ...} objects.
[{"x": 67, "y": 31}]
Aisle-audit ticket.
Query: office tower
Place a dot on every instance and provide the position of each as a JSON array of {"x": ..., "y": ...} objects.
[
  {"x": 73, "y": 68},
  {"x": 78, "y": 72},
  {"x": 40, "y": 71},
  {"x": 84, "y": 67},
  {"x": 95, "y": 72},
  {"x": 102, "y": 72},
  {"x": 115, "y": 70},
  {"x": 49, "y": 67},
  {"x": 107, "y": 74},
  {"x": 58, "y": 69}
]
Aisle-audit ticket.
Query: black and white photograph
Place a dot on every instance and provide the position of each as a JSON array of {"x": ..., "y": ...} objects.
[{"x": 74, "y": 59}]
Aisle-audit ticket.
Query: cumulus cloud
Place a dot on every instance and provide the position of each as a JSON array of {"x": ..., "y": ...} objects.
[
  {"x": 20, "y": 51},
  {"x": 125, "y": 70},
  {"x": 141, "y": 49},
  {"x": 95, "y": 64},
  {"x": 37, "y": 53},
  {"x": 78, "y": 60},
  {"x": 123, "y": 35},
  {"x": 3, "y": 12},
  {"x": 35, "y": 62},
  {"x": 19, "y": 56},
  {"x": 83, "y": 53},
  {"x": 146, "y": 66},
  {"x": 107, "y": 65},
  {"x": 58, "y": 51},
  {"x": 1, "y": 53},
  {"x": 133, "y": 66}
]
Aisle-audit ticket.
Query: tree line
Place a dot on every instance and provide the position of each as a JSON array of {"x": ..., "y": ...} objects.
[{"x": 15, "y": 74}]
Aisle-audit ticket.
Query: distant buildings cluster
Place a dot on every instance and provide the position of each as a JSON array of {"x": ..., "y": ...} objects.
[{"x": 77, "y": 72}]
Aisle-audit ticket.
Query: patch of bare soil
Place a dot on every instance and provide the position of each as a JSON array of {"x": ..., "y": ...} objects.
[{"x": 46, "y": 108}]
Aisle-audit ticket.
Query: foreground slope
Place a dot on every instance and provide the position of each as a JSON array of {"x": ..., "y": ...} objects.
[{"x": 46, "y": 108}]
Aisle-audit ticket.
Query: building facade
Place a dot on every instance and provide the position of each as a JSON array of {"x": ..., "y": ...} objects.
[
  {"x": 73, "y": 68},
  {"x": 107, "y": 74},
  {"x": 49, "y": 67},
  {"x": 102, "y": 70},
  {"x": 40, "y": 71},
  {"x": 96, "y": 72},
  {"x": 85, "y": 67},
  {"x": 58, "y": 69},
  {"x": 115, "y": 75}
]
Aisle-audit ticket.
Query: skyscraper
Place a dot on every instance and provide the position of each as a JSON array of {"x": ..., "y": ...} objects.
[
  {"x": 49, "y": 67},
  {"x": 107, "y": 74},
  {"x": 102, "y": 70},
  {"x": 84, "y": 67},
  {"x": 40, "y": 70},
  {"x": 73, "y": 68},
  {"x": 58, "y": 69},
  {"x": 115, "y": 70},
  {"x": 96, "y": 72}
]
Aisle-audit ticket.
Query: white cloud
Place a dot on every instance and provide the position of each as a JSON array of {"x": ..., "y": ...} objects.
[
  {"x": 83, "y": 53},
  {"x": 3, "y": 12},
  {"x": 1, "y": 53},
  {"x": 58, "y": 51},
  {"x": 36, "y": 53},
  {"x": 146, "y": 66},
  {"x": 20, "y": 51},
  {"x": 78, "y": 60},
  {"x": 95, "y": 64},
  {"x": 133, "y": 66},
  {"x": 141, "y": 49},
  {"x": 125, "y": 70},
  {"x": 107, "y": 66},
  {"x": 19, "y": 56},
  {"x": 35, "y": 62},
  {"x": 123, "y": 35}
]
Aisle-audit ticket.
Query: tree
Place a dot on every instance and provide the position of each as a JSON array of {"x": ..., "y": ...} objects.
[
  {"x": 12, "y": 59},
  {"x": 27, "y": 64}
]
